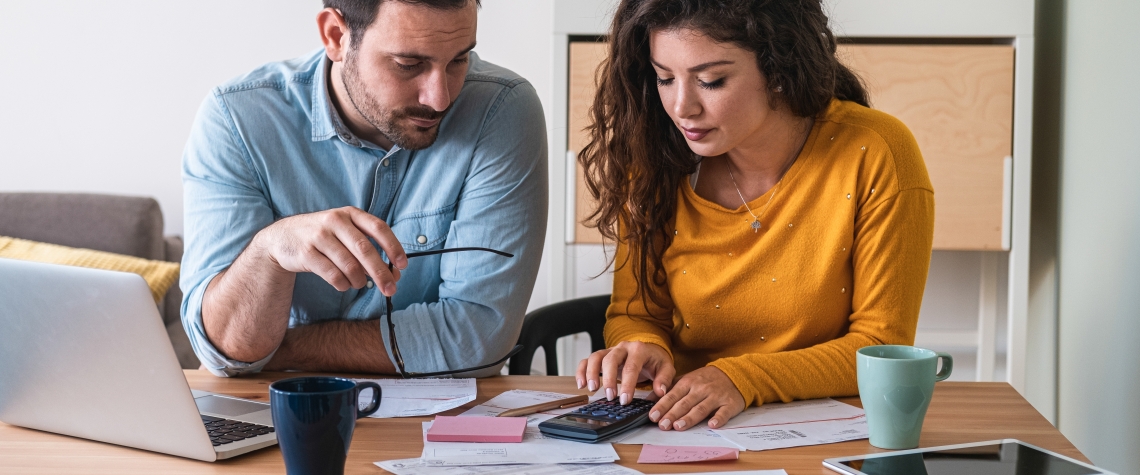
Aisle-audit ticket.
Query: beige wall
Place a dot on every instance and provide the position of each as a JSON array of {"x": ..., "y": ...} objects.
[{"x": 1099, "y": 253}]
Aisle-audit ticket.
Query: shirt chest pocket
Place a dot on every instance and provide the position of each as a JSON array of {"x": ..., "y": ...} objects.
[{"x": 425, "y": 230}]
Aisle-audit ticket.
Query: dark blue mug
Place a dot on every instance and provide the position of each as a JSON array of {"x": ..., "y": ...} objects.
[{"x": 314, "y": 418}]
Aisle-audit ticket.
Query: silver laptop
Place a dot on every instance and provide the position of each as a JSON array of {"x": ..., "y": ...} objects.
[{"x": 83, "y": 352}]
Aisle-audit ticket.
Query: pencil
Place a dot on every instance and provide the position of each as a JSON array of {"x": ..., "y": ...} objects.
[{"x": 546, "y": 406}]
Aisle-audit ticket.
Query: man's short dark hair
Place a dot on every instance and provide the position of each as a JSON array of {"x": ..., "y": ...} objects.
[{"x": 359, "y": 14}]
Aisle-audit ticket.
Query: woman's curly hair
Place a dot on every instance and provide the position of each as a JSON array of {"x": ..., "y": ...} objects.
[{"x": 635, "y": 159}]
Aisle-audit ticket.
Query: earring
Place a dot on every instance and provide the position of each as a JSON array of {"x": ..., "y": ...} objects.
[{"x": 779, "y": 89}]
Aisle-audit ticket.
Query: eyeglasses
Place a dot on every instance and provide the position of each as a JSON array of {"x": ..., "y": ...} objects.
[{"x": 392, "y": 325}]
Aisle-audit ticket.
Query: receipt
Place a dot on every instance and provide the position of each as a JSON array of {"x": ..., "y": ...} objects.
[
  {"x": 794, "y": 424},
  {"x": 419, "y": 397}
]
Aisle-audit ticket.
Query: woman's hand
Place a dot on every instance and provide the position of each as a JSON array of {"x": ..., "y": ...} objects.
[
  {"x": 696, "y": 395},
  {"x": 634, "y": 361}
]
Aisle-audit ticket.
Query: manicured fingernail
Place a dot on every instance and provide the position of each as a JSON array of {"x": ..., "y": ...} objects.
[
  {"x": 654, "y": 415},
  {"x": 624, "y": 398},
  {"x": 680, "y": 424},
  {"x": 593, "y": 385},
  {"x": 713, "y": 423},
  {"x": 609, "y": 394},
  {"x": 662, "y": 389},
  {"x": 579, "y": 384},
  {"x": 665, "y": 424}
]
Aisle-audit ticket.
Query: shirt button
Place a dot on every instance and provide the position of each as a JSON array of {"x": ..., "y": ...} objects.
[
  {"x": 369, "y": 284},
  {"x": 422, "y": 239},
  {"x": 385, "y": 162}
]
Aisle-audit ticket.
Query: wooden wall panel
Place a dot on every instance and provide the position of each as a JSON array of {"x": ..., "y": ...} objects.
[
  {"x": 584, "y": 60},
  {"x": 958, "y": 102}
]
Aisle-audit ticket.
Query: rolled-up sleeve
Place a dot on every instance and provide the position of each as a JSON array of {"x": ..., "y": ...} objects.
[
  {"x": 503, "y": 206},
  {"x": 224, "y": 208}
]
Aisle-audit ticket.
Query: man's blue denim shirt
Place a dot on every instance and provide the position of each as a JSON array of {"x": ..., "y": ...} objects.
[{"x": 270, "y": 145}]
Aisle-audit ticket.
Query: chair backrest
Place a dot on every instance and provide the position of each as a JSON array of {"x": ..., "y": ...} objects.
[{"x": 543, "y": 327}]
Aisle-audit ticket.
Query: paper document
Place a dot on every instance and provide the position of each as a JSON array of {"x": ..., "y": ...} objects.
[
  {"x": 418, "y": 467},
  {"x": 794, "y": 424},
  {"x": 698, "y": 436},
  {"x": 535, "y": 448},
  {"x": 419, "y": 397},
  {"x": 517, "y": 398},
  {"x": 678, "y": 454},
  {"x": 748, "y": 472}
]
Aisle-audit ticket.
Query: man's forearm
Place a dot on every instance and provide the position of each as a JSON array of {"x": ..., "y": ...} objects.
[
  {"x": 245, "y": 309},
  {"x": 335, "y": 346}
]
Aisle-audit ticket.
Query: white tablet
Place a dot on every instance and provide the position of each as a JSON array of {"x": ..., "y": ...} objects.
[{"x": 994, "y": 457}]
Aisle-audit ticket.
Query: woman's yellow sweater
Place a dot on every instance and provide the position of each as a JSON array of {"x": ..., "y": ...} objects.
[{"x": 840, "y": 263}]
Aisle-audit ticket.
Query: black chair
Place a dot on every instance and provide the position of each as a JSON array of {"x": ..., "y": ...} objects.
[{"x": 543, "y": 327}]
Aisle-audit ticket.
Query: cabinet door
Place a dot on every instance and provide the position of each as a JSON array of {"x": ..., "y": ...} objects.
[
  {"x": 958, "y": 102},
  {"x": 585, "y": 57}
]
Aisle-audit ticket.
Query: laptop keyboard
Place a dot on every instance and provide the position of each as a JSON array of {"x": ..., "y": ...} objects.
[{"x": 224, "y": 431}]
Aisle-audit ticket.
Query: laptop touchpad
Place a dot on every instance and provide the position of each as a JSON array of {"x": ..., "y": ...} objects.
[{"x": 225, "y": 406}]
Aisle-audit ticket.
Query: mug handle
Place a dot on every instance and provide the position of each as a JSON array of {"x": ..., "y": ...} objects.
[
  {"x": 947, "y": 366},
  {"x": 374, "y": 404}
]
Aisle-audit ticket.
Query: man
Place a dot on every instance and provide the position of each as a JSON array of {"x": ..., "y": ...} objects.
[{"x": 304, "y": 178}]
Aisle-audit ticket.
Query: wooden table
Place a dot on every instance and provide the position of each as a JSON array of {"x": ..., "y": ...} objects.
[{"x": 960, "y": 412}]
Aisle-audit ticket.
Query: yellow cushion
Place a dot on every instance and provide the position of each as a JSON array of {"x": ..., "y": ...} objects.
[{"x": 159, "y": 275}]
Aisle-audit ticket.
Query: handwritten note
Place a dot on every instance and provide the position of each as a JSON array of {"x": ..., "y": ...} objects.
[{"x": 679, "y": 454}]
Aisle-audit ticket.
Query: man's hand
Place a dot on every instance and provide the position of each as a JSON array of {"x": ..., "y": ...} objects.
[
  {"x": 246, "y": 307},
  {"x": 335, "y": 245},
  {"x": 631, "y": 361},
  {"x": 696, "y": 395}
]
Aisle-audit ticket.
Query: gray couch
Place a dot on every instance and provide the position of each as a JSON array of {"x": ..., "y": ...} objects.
[{"x": 121, "y": 224}]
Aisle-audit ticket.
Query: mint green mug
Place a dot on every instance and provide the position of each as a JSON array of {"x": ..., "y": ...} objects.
[{"x": 895, "y": 386}]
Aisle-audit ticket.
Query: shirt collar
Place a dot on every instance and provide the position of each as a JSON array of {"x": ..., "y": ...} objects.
[{"x": 327, "y": 122}]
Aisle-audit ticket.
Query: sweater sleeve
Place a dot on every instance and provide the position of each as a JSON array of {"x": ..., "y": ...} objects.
[
  {"x": 631, "y": 318},
  {"x": 890, "y": 256}
]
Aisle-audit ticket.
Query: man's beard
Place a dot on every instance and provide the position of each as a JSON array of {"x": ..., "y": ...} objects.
[{"x": 393, "y": 123}]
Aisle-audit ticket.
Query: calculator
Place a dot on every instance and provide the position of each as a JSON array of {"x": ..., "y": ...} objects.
[{"x": 597, "y": 421}]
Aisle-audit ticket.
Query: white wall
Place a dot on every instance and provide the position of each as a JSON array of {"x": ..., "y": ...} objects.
[
  {"x": 99, "y": 96},
  {"x": 1099, "y": 305},
  {"x": 515, "y": 34}
]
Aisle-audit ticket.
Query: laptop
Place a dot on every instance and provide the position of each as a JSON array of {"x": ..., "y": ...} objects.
[{"x": 84, "y": 353}]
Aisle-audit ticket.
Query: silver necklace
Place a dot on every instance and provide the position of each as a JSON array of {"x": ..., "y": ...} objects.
[{"x": 755, "y": 219}]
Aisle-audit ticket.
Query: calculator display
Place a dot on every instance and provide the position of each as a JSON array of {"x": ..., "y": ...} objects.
[{"x": 586, "y": 420}]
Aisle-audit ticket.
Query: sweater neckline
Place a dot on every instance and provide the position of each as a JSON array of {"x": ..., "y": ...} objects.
[{"x": 788, "y": 179}]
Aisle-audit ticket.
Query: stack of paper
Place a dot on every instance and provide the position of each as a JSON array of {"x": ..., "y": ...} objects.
[
  {"x": 535, "y": 448},
  {"x": 419, "y": 397},
  {"x": 419, "y": 467},
  {"x": 794, "y": 424}
]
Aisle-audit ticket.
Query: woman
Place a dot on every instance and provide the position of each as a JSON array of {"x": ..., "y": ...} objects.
[{"x": 768, "y": 222}]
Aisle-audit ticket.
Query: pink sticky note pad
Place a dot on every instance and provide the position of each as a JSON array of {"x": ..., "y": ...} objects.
[
  {"x": 477, "y": 429},
  {"x": 678, "y": 454}
]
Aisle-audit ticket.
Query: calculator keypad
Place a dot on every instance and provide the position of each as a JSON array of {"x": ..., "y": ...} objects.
[{"x": 613, "y": 411}]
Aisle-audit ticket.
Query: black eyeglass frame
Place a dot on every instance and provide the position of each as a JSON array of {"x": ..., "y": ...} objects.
[{"x": 392, "y": 325}]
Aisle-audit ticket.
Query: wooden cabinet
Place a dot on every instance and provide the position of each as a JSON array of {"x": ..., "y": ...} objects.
[
  {"x": 585, "y": 57},
  {"x": 957, "y": 100}
]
